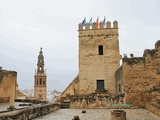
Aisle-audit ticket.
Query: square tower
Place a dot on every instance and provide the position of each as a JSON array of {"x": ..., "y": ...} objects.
[{"x": 98, "y": 57}]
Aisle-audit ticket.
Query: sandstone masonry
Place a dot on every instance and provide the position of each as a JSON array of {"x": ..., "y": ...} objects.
[
  {"x": 8, "y": 81},
  {"x": 139, "y": 77}
]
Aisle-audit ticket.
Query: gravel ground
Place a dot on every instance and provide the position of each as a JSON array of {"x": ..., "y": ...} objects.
[{"x": 98, "y": 114}]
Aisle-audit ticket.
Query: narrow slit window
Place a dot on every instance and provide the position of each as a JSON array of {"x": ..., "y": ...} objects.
[
  {"x": 100, "y": 50},
  {"x": 119, "y": 88}
]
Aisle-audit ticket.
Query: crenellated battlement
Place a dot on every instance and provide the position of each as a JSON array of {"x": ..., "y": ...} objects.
[
  {"x": 100, "y": 26},
  {"x": 149, "y": 55},
  {"x": 133, "y": 60}
]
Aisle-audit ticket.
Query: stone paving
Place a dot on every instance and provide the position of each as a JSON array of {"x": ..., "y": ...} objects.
[{"x": 98, "y": 114}]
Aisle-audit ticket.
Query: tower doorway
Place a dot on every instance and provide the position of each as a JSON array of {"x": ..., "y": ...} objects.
[{"x": 100, "y": 85}]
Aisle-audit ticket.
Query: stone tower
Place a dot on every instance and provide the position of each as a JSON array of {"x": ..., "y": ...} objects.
[
  {"x": 98, "y": 57},
  {"x": 40, "y": 79}
]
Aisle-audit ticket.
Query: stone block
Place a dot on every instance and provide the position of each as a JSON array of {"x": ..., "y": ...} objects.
[{"x": 118, "y": 115}]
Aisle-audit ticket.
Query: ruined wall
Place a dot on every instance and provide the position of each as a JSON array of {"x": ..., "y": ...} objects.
[
  {"x": 71, "y": 90},
  {"x": 119, "y": 85},
  {"x": 7, "y": 80},
  {"x": 30, "y": 113},
  {"x": 141, "y": 77},
  {"x": 92, "y": 66}
]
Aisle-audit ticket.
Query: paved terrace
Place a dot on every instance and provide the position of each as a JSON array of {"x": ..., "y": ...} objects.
[{"x": 98, "y": 114}]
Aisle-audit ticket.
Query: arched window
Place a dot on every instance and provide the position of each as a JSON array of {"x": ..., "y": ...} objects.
[
  {"x": 44, "y": 82},
  {"x": 40, "y": 81},
  {"x": 100, "y": 50},
  {"x": 40, "y": 68}
]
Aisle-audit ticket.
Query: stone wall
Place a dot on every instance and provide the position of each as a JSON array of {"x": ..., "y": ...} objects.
[
  {"x": 141, "y": 77},
  {"x": 140, "y": 84},
  {"x": 99, "y": 101},
  {"x": 119, "y": 85},
  {"x": 29, "y": 113},
  {"x": 7, "y": 81}
]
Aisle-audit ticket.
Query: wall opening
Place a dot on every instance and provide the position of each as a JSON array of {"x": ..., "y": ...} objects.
[
  {"x": 40, "y": 68},
  {"x": 44, "y": 82},
  {"x": 100, "y": 85},
  {"x": 119, "y": 86},
  {"x": 40, "y": 81},
  {"x": 100, "y": 50}
]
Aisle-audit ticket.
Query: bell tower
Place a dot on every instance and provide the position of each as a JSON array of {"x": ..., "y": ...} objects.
[{"x": 40, "y": 79}]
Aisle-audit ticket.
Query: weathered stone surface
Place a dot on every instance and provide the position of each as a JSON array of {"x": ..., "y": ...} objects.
[
  {"x": 98, "y": 101},
  {"x": 8, "y": 80},
  {"x": 29, "y": 113},
  {"x": 153, "y": 107},
  {"x": 98, "y": 114},
  {"x": 71, "y": 90},
  {"x": 92, "y": 66},
  {"x": 140, "y": 78},
  {"x": 118, "y": 115}
]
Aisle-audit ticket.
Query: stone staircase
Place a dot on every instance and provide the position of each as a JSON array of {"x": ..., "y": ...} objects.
[{"x": 65, "y": 104}]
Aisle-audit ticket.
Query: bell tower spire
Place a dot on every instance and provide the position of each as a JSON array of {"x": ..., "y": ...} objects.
[
  {"x": 40, "y": 63},
  {"x": 40, "y": 81}
]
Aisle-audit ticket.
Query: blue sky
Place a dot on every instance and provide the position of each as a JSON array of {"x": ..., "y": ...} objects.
[{"x": 27, "y": 25}]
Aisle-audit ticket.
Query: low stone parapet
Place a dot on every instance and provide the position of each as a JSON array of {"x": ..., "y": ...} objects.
[
  {"x": 29, "y": 113},
  {"x": 30, "y": 101}
]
